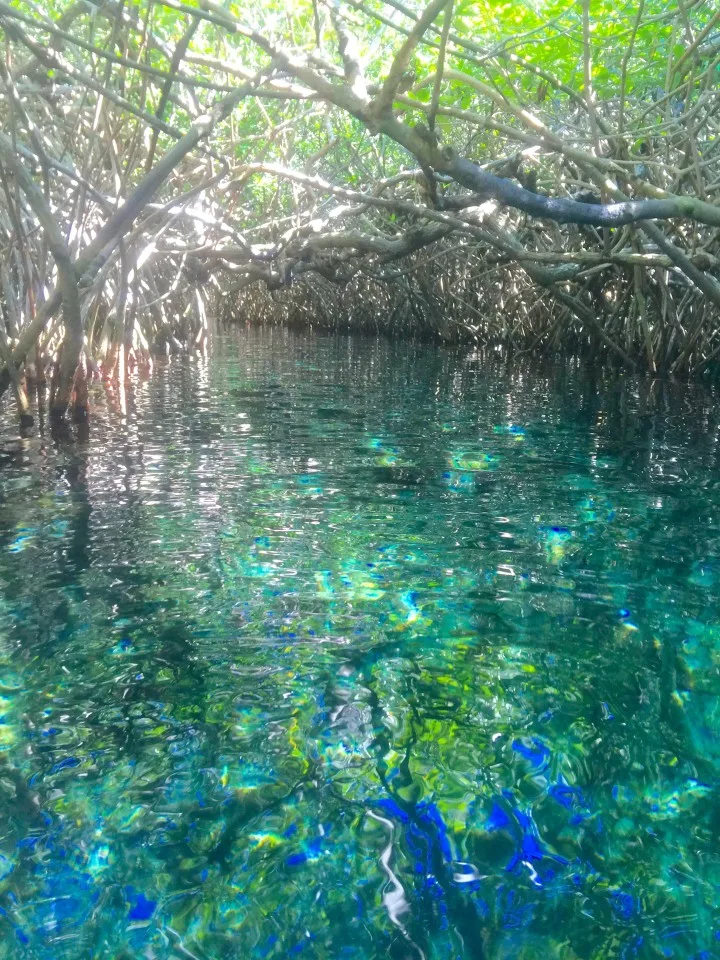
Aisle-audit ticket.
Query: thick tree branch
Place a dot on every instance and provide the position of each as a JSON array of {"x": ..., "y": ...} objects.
[
  {"x": 383, "y": 102},
  {"x": 67, "y": 284}
]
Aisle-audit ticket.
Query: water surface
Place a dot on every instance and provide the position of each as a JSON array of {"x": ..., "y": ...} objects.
[{"x": 344, "y": 649}]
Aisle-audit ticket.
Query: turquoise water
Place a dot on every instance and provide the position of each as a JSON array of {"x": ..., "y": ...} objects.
[{"x": 338, "y": 649}]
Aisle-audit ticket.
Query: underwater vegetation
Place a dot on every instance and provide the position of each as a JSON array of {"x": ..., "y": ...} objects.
[{"x": 435, "y": 680}]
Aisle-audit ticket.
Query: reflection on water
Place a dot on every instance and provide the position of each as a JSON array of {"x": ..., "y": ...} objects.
[{"x": 352, "y": 650}]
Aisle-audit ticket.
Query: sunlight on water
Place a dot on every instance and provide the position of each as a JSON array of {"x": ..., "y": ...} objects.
[{"x": 339, "y": 649}]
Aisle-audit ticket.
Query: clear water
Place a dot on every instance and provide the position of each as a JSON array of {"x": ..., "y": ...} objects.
[{"x": 343, "y": 649}]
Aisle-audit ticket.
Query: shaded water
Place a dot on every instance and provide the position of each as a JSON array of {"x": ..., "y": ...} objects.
[{"x": 340, "y": 649}]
